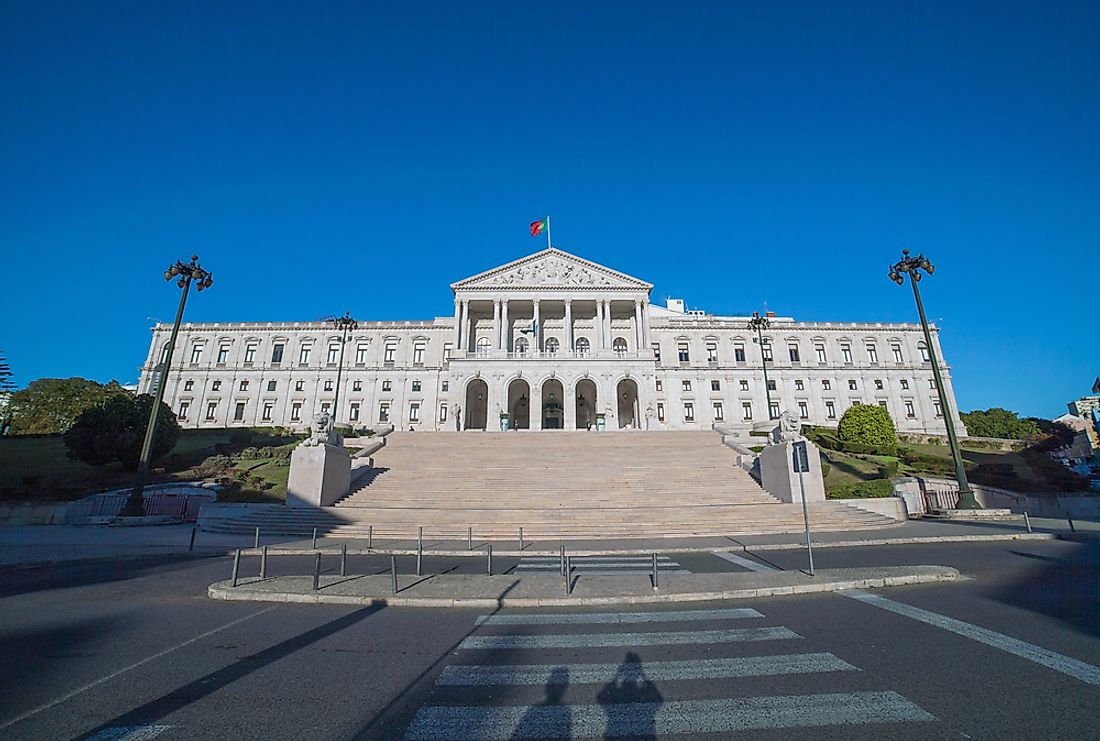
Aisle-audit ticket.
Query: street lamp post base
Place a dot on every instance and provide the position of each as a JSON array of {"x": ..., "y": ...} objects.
[
  {"x": 967, "y": 500},
  {"x": 134, "y": 507}
]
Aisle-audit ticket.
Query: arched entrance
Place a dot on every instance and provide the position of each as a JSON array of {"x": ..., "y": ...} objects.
[
  {"x": 519, "y": 404},
  {"x": 476, "y": 409},
  {"x": 626, "y": 393},
  {"x": 586, "y": 404},
  {"x": 553, "y": 412}
]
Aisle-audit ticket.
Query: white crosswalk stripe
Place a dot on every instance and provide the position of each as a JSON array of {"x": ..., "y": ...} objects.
[
  {"x": 630, "y": 702},
  {"x": 647, "y": 719}
]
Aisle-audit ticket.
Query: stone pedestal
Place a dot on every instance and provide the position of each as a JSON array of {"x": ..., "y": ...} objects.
[
  {"x": 778, "y": 477},
  {"x": 319, "y": 475}
]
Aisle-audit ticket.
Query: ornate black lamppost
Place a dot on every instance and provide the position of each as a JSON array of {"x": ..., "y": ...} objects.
[
  {"x": 345, "y": 324},
  {"x": 758, "y": 324},
  {"x": 913, "y": 266},
  {"x": 135, "y": 503}
]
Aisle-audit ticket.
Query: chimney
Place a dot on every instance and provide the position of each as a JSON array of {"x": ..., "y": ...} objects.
[{"x": 769, "y": 314}]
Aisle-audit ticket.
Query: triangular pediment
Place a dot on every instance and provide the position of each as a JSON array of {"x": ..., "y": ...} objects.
[{"x": 552, "y": 268}]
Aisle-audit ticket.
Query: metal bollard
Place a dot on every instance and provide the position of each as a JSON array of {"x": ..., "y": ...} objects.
[
  {"x": 469, "y": 538},
  {"x": 343, "y": 559},
  {"x": 489, "y": 559},
  {"x": 521, "y": 538},
  {"x": 314, "y": 546},
  {"x": 568, "y": 577},
  {"x": 419, "y": 558},
  {"x": 236, "y": 565},
  {"x": 263, "y": 563},
  {"x": 393, "y": 572},
  {"x": 256, "y": 544},
  {"x": 317, "y": 573},
  {"x": 1027, "y": 521},
  {"x": 420, "y": 537},
  {"x": 561, "y": 563},
  {"x": 370, "y": 536},
  {"x": 654, "y": 570},
  {"x": 1072, "y": 528},
  {"x": 191, "y": 546}
]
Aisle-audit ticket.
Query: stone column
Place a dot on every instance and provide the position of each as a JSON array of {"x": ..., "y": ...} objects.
[
  {"x": 608, "y": 338},
  {"x": 505, "y": 327},
  {"x": 568, "y": 325},
  {"x": 646, "y": 338},
  {"x": 496, "y": 324},
  {"x": 569, "y": 404},
  {"x": 537, "y": 339},
  {"x": 458, "y": 324},
  {"x": 639, "y": 341},
  {"x": 598, "y": 322},
  {"x": 536, "y": 406}
]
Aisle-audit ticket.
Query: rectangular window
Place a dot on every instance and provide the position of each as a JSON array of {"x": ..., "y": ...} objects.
[
  {"x": 830, "y": 409},
  {"x": 689, "y": 411},
  {"x": 196, "y": 354},
  {"x": 773, "y": 410},
  {"x": 447, "y": 346},
  {"x": 384, "y": 412},
  {"x": 414, "y": 412},
  {"x": 715, "y": 386},
  {"x": 445, "y": 386},
  {"x": 416, "y": 386},
  {"x": 361, "y": 353},
  {"x": 244, "y": 385},
  {"x": 744, "y": 385},
  {"x": 904, "y": 385},
  {"x": 717, "y": 406},
  {"x": 268, "y": 407},
  {"x": 924, "y": 354},
  {"x": 356, "y": 385},
  {"x": 250, "y": 354},
  {"x": 882, "y": 403},
  {"x": 442, "y": 412},
  {"x": 798, "y": 385},
  {"x": 826, "y": 384},
  {"x": 686, "y": 385},
  {"x": 328, "y": 385},
  {"x": 767, "y": 351},
  {"x": 211, "y": 411},
  {"x": 333, "y": 354},
  {"x": 682, "y": 353},
  {"x": 878, "y": 384},
  {"x": 304, "y": 353},
  {"x": 238, "y": 412},
  {"x": 820, "y": 350},
  {"x": 216, "y": 386},
  {"x": 164, "y": 355},
  {"x": 852, "y": 385},
  {"x": 418, "y": 355},
  {"x": 391, "y": 353},
  {"x": 897, "y": 353},
  {"x": 353, "y": 415},
  {"x": 803, "y": 410},
  {"x": 846, "y": 351},
  {"x": 296, "y": 411},
  {"x": 386, "y": 385},
  {"x": 223, "y": 354},
  {"x": 739, "y": 353},
  {"x": 325, "y": 406},
  {"x": 660, "y": 412},
  {"x": 793, "y": 351},
  {"x": 909, "y": 410},
  {"x": 299, "y": 385},
  {"x": 712, "y": 353},
  {"x": 660, "y": 386},
  {"x": 746, "y": 410},
  {"x": 656, "y": 351},
  {"x": 872, "y": 354},
  {"x": 277, "y": 353},
  {"x": 184, "y": 407},
  {"x": 188, "y": 385},
  {"x": 932, "y": 383},
  {"x": 771, "y": 385}
]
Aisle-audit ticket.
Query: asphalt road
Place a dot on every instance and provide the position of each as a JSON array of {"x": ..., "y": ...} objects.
[{"x": 101, "y": 650}]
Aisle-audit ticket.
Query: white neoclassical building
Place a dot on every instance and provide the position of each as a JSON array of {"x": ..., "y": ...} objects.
[{"x": 553, "y": 341}]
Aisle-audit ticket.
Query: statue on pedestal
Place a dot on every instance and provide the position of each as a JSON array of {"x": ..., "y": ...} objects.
[
  {"x": 323, "y": 432},
  {"x": 789, "y": 429}
]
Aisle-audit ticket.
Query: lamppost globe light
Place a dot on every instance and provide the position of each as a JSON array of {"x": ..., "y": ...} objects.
[{"x": 168, "y": 274}]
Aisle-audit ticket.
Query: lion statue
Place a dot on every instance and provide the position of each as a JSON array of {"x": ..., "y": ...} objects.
[
  {"x": 789, "y": 429},
  {"x": 323, "y": 432}
]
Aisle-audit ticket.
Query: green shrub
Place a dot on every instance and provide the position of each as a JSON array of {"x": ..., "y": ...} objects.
[
  {"x": 240, "y": 437},
  {"x": 114, "y": 430},
  {"x": 888, "y": 470},
  {"x": 873, "y": 489},
  {"x": 868, "y": 425},
  {"x": 213, "y": 467},
  {"x": 825, "y": 468}
]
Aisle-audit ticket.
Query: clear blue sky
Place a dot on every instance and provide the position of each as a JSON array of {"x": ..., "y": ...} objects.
[{"x": 323, "y": 157}]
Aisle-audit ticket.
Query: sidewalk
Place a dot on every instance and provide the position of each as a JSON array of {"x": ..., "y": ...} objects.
[{"x": 489, "y": 592}]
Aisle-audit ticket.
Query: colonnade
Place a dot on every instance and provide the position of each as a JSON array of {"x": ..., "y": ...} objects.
[{"x": 503, "y": 320}]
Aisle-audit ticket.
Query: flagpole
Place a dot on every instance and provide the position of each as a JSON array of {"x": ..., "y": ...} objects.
[{"x": 549, "y": 245}]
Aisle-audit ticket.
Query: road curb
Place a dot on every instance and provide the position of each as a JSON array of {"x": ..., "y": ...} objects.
[{"x": 222, "y": 591}]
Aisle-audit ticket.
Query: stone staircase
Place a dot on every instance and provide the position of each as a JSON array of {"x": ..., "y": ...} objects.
[{"x": 557, "y": 485}]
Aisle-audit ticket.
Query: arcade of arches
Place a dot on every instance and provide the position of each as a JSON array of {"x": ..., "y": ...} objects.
[{"x": 554, "y": 405}]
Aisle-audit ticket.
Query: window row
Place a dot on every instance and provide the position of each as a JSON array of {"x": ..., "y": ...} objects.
[
  {"x": 683, "y": 352},
  {"x": 306, "y": 353},
  {"x": 799, "y": 385}
]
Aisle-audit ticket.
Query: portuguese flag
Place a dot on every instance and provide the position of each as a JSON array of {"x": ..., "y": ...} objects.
[{"x": 537, "y": 227}]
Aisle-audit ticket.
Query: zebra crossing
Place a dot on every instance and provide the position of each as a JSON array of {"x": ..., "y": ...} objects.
[
  {"x": 496, "y": 698},
  {"x": 599, "y": 565}
]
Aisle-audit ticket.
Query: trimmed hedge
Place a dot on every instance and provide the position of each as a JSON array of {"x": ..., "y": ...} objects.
[
  {"x": 873, "y": 489},
  {"x": 868, "y": 425}
]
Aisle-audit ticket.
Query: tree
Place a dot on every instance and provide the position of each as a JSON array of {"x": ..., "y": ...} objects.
[
  {"x": 114, "y": 430},
  {"x": 1002, "y": 423},
  {"x": 53, "y": 404},
  {"x": 868, "y": 428},
  {"x": 7, "y": 388}
]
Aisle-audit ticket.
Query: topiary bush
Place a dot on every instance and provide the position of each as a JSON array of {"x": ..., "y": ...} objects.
[
  {"x": 873, "y": 489},
  {"x": 868, "y": 425}
]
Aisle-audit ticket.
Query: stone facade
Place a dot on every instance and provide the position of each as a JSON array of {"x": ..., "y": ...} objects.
[{"x": 555, "y": 333}]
